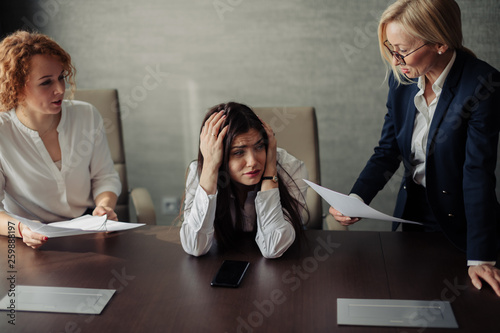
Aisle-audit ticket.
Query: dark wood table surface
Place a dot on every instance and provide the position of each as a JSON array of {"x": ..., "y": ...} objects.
[{"x": 162, "y": 289}]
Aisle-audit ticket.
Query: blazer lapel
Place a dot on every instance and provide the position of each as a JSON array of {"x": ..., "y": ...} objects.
[
  {"x": 409, "y": 123},
  {"x": 447, "y": 95},
  {"x": 443, "y": 104}
]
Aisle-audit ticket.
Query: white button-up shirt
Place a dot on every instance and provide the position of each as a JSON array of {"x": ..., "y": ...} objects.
[
  {"x": 423, "y": 121},
  {"x": 35, "y": 187}
]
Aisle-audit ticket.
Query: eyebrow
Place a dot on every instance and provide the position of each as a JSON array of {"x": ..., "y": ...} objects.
[
  {"x": 50, "y": 75},
  {"x": 244, "y": 146},
  {"x": 402, "y": 44}
]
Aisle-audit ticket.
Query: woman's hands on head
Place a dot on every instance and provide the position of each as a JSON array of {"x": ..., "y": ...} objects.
[
  {"x": 211, "y": 140},
  {"x": 211, "y": 147},
  {"x": 271, "y": 169},
  {"x": 272, "y": 146}
]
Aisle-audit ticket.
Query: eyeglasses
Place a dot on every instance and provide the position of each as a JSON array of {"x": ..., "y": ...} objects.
[{"x": 400, "y": 58}]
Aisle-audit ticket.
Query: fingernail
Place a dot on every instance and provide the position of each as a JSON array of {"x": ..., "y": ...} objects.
[
  {"x": 45, "y": 238},
  {"x": 348, "y": 219}
]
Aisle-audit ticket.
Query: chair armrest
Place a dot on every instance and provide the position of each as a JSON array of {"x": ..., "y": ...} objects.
[{"x": 143, "y": 205}]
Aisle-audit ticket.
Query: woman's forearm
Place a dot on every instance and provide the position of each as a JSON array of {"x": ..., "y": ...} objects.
[
  {"x": 106, "y": 199},
  {"x": 8, "y": 224}
]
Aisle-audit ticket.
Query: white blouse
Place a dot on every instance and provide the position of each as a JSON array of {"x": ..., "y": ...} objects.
[
  {"x": 275, "y": 233},
  {"x": 31, "y": 184}
]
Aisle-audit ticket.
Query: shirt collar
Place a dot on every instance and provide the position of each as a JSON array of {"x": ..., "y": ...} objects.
[
  {"x": 34, "y": 133},
  {"x": 20, "y": 125}
]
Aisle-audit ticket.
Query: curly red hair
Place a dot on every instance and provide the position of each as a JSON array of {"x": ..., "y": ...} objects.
[{"x": 16, "y": 51}]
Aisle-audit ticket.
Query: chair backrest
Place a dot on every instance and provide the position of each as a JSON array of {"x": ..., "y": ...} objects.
[
  {"x": 297, "y": 132},
  {"x": 106, "y": 102}
]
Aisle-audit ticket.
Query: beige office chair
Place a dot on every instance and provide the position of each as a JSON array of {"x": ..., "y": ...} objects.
[
  {"x": 297, "y": 132},
  {"x": 106, "y": 101}
]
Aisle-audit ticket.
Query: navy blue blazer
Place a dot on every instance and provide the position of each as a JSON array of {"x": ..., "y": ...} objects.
[{"x": 461, "y": 155}]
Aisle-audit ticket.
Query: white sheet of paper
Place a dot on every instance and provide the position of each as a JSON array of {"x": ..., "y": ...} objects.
[
  {"x": 86, "y": 224},
  {"x": 350, "y": 206},
  {"x": 395, "y": 312},
  {"x": 58, "y": 299}
]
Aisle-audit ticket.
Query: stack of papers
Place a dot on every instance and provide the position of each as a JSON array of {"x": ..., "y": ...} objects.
[{"x": 86, "y": 224}]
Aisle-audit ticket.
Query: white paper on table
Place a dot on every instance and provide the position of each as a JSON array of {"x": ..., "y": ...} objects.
[
  {"x": 353, "y": 207},
  {"x": 58, "y": 299},
  {"x": 86, "y": 224}
]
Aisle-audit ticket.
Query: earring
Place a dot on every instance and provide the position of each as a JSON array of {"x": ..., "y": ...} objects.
[{"x": 440, "y": 52}]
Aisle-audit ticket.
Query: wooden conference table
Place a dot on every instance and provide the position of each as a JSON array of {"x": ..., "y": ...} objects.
[{"x": 162, "y": 289}]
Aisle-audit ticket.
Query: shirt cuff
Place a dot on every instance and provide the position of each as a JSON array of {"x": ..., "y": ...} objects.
[
  {"x": 480, "y": 262},
  {"x": 203, "y": 211}
]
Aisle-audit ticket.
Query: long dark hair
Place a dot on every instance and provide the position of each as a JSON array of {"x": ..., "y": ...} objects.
[{"x": 240, "y": 119}]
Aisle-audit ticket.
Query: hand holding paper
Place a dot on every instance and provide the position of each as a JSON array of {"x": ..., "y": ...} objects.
[
  {"x": 86, "y": 224},
  {"x": 350, "y": 206}
]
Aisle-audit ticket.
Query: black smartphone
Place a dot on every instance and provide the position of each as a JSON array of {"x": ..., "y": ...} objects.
[{"x": 230, "y": 273}]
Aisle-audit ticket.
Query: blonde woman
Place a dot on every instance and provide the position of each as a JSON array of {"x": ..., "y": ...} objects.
[{"x": 442, "y": 123}]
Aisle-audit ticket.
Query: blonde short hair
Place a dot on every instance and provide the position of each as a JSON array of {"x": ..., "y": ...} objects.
[
  {"x": 16, "y": 52},
  {"x": 432, "y": 21}
]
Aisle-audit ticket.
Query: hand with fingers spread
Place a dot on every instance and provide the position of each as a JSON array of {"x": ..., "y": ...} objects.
[
  {"x": 211, "y": 147},
  {"x": 344, "y": 220},
  {"x": 488, "y": 273}
]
